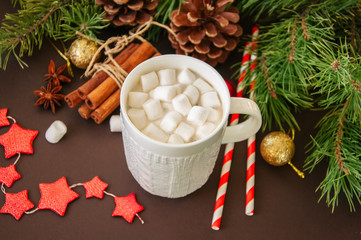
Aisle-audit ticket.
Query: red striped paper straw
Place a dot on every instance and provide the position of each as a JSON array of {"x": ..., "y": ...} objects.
[
  {"x": 228, "y": 152},
  {"x": 251, "y": 142}
]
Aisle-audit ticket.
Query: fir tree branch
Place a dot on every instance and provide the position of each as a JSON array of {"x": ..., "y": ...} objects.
[
  {"x": 338, "y": 137},
  {"x": 24, "y": 30}
]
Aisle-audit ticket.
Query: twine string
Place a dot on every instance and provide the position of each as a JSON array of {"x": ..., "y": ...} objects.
[
  {"x": 17, "y": 159},
  {"x": 32, "y": 211},
  {"x": 118, "y": 43},
  {"x": 109, "y": 194},
  {"x": 11, "y": 118},
  {"x": 3, "y": 188},
  {"x": 76, "y": 185}
]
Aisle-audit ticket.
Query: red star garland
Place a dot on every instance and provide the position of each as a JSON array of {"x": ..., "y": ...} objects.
[
  {"x": 127, "y": 207},
  {"x": 9, "y": 175},
  {"x": 16, "y": 204},
  {"x": 95, "y": 188},
  {"x": 3, "y": 119},
  {"x": 56, "y": 196},
  {"x": 18, "y": 140}
]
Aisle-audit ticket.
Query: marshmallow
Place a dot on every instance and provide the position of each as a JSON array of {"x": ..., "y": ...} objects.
[
  {"x": 192, "y": 93},
  {"x": 167, "y": 106},
  {"x": 181, "y": 104},
  {"x": 55, "y": 132},
  {"x": 186, "y": 76},
  {"x": 149, "y": 81},
  {"x": 204, "y": 130},
  {"x": 170, "y": 121},
  {"x": 138, "y": 117},
  {"x": 167, "y": 77},
  {"x": 210, "y": 99},
  {"x": 153, "y": 109},
  {"x": 136, "y": 99},
  {"x": 175, "y": 139},
  {"x": 202, "y": 85},
  {"x": 165, "y": 93},
  {"x": 185, "y": 131},
  {"x": 155, "y": 132},
  {"x": 198, "y": 115},
  {"x": 214, "y": 114},
  {"x": 179, "y": 87},
  {"x": 116, "y": 123}
]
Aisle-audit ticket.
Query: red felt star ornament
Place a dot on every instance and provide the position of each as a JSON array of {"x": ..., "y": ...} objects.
[
  {"x": 16, "y": 204},
  {"x": 95, "y": 188},
  {"x": 56, "y": 196},
  {"x": 18, "y": 140},
  {"x": 3, "y": 119},
  {"x": 127, "y": 207},
  {"x": 9, "y": 175}
]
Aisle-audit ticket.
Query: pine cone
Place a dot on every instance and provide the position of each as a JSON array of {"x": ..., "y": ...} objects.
[
  {"x": 128, "y": 12},
  {"x": 205, "y": 29}
]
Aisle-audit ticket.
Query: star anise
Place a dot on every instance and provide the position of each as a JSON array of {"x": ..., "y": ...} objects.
[
  {"x": 54, "y": 76},
  {"x": 49, "y": 96}
]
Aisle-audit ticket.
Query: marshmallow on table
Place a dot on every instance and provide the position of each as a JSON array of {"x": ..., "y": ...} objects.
[
  {"x": 185, "y": 131},
  {"x": 204, "y": 130},
  {"x": 214, "y": 114},
  {"x": 170, "y": 121},
  {"x": 210, "y": 99},
  {"x": 192, "y": 93},
  {"x": 186, "y": 76},
  {"x": 136, "y": 99},
  {"x": 202, "y": 85},
  {"x": 138, "y": 117},
  {"x": 198, "y": 115},
  {"x": 153, "y": 109},
  {"x": 181, "y": 104},
  {"x": 55, "y": 132},
  {"x": 116, "y": 123},
  {"x": 167, "y": 77},
  {"x": 164, "y": 93},
  {"x": 149, "y": 81},
  {"x": 155, "y": 132},
  {"x": 175, "y": 139}
]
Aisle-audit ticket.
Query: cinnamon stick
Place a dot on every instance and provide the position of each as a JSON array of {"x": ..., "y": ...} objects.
[
  {"x": 101, "y": 93},
  {"x": 84, "y": 111},
  {"x": 99, "y": 77},
  {"x": 156, "y": 54},
  {"x": 106, "y": 88},
  {"x": 73, "y": 99},
  {"x": 106, "y": 108}
]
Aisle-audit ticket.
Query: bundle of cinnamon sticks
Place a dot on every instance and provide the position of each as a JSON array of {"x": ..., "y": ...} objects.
[{"x": 99, "y": 96}]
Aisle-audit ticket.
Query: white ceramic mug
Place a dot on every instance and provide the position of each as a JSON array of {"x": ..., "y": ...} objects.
[{"x": 176, "y": 170}]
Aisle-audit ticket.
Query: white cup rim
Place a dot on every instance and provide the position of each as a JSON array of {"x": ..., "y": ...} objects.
[{"x": 180, "y": 60}]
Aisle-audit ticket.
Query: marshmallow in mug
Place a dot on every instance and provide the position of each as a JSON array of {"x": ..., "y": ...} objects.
[{"x": 174, "y": 106}]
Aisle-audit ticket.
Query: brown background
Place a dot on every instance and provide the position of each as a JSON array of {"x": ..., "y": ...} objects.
[{"x": 286, "y": 206}]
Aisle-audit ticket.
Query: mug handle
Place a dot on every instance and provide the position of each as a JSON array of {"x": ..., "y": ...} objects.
[{"x": 247, "y": 128}]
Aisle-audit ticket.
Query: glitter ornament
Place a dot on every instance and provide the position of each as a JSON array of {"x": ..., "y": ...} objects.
[
  {"x": 278, "y": 149},
  {"x": 81, "y": 52}
]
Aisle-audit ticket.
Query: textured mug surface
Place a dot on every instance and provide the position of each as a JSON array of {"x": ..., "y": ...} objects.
[{"x": 176, "y": 170}]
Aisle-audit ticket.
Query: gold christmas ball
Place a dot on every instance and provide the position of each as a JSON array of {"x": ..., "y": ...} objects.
[
  {"x": 277, "y": 148},
  {"x": 81, "y": 52}
]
